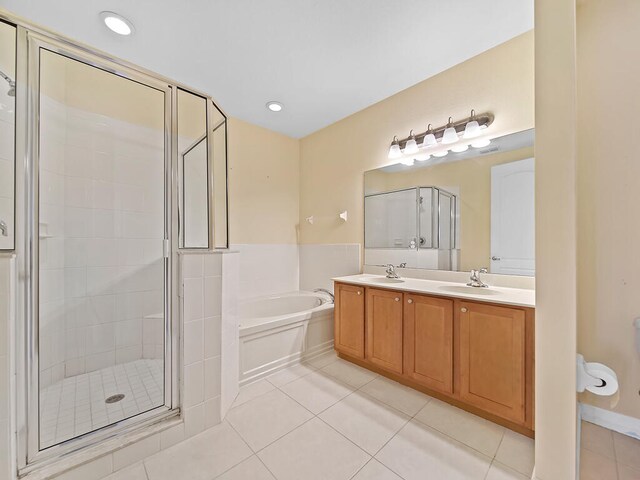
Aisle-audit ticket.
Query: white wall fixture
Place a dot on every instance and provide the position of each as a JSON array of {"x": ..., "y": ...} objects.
[
  {"x": 309, "y": 220},
  {"x": 595, "y": 377},
  {"x": 413, "y": 147},
  {"x": 344, "y": 216}
]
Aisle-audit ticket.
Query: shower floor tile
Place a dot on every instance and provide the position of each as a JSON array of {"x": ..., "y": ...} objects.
[{"x": 77, "y": 405}]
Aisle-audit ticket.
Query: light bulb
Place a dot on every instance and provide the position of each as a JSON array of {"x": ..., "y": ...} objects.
[
  {"x": 463, "y": 147},
  {"x": 450, "y": 135},
  {"x": 483, "y": 142},
  {"x": 408, "y": 161},
  {"x": 411, "y": 146},
  {"x": 422, "y": 157},
  {"x": 472, "y": 128},
  {"x": 443, "y": 153},
  {"x": 394, "y": 149},
  {"x": 429, "y": 139}
]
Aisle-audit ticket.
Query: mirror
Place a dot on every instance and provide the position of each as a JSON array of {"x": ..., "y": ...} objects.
[
  {"x": 7, "y": 136},
  {"x": 463, "y": 211},
  {"x": 193, "y": 167}
]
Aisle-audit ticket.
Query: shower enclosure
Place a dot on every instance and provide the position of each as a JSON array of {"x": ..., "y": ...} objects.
[{"x": 116, "y": 169}]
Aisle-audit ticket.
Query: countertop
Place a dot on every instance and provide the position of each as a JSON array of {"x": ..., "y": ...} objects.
[{"x": 501, "y": 295}]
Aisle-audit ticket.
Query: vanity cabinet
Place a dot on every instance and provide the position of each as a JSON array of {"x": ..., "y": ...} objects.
[
  {"x": 349, "y": 320},
  {"x": 428, "y": 341},
  {"x": 492, "y": 359},
  {"x": 384, "y": 329},
  {"x": 473, "y": 354}
]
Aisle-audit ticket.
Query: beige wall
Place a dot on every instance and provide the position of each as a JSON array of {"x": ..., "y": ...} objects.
[
  {"x": 609, "y": 193},
  {"x": 555, "y": 149},
  {"x": 264, "y": 185},
  {"x": 473, "y": 178},
  {"x": 334, "y": 159}
]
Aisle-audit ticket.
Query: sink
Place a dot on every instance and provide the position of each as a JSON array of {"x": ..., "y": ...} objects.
[
  {"x": 468, "y": 290},
  {"x": 387, "y": 280}
]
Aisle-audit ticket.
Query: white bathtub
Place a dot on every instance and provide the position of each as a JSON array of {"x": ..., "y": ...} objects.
[{"x": 281, "y": 330}]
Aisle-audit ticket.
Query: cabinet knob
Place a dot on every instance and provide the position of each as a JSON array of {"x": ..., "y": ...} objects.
[
  {"x": 409, "y": 301},
  {"x": 359, "y": 293},
  {"x": 463, "y": 310},
  {"x": 397, "y": 299}
]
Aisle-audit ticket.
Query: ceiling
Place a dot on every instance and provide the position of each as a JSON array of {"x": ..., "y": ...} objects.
[{"x": 323, "y": 59}]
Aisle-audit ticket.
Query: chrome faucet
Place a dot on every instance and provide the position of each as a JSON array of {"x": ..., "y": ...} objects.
[
  {"x": 324, "y": 290},
  {"x": 391, "y": 271},
  {"x": 475, "y": 278}
]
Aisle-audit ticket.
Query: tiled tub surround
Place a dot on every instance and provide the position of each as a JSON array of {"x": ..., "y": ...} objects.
[
  {"x": 272, "y": 269},
  {"x": 101, "y": 230}
]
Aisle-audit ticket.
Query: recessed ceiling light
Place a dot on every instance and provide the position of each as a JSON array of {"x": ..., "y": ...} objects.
[
  {"x": 117, "y": 23},
  {"x": 275, "y": 106}
]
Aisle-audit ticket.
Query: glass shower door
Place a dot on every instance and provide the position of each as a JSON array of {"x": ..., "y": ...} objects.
[{"x": 101, "y": 226}]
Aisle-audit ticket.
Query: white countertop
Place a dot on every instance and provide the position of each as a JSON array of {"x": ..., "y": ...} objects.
[{"x": 507, "y": 296}]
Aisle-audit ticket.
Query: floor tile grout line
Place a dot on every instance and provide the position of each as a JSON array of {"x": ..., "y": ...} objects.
[
  {"x": 282, "y": 436},
  {"x": 243, "y": 441}
]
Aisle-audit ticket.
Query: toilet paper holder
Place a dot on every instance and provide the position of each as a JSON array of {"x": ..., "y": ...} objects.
[{"x": 595, "y": 378}]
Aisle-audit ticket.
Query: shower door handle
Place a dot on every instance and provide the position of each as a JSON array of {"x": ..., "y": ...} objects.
[{"x": 4, "y": 229}]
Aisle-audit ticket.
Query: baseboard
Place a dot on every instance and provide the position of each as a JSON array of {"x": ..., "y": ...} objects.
[{"x": 613, "y": 421}]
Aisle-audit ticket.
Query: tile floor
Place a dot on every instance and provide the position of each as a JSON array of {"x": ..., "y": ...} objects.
[
  {"x": 608, "y": 455},
  {"x": 76, "y": 405},
  {"x": 331, "y": 420}
]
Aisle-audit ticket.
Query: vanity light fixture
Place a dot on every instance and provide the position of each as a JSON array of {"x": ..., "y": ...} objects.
[
  {"x": 275, "y": 106},
  {"x": 441, "y": 154},
  {"x": 450, "y": 135},
  {"x": 463, "y": 147},
  {"x": 411, "y": 146},
  {"x": 408, "y": 161},
  {"x": 422, "y": 157},
  {"x": 117, "y": 23},
  {"x": 429, "y": 139},
  {"x": 472, "y": 128},
  {"x": 481, "y": 143},
  {"x": 394, "y": 150},
  {"x": 433, "y": 137}
]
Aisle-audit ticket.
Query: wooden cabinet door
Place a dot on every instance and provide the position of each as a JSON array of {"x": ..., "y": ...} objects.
[
  {"x": 428, "y": 341},
  {"x": 384, "y": 329},
  {"x": 492, "y": 359},
  {"x": 349, "y": 320}
]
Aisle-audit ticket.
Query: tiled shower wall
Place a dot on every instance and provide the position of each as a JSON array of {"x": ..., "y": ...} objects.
[{"x": 101, "y": 230}]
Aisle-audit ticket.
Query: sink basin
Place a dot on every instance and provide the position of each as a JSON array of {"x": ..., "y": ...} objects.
[
  {"x": 387, "y": 280},
  {"x": 468, "y": 290}
]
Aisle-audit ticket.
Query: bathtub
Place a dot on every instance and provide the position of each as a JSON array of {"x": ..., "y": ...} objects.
[{"x": 281, "y": 330}]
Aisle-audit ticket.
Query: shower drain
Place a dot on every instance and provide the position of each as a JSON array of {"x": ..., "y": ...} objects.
[{"x": 114, "y": 398}]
